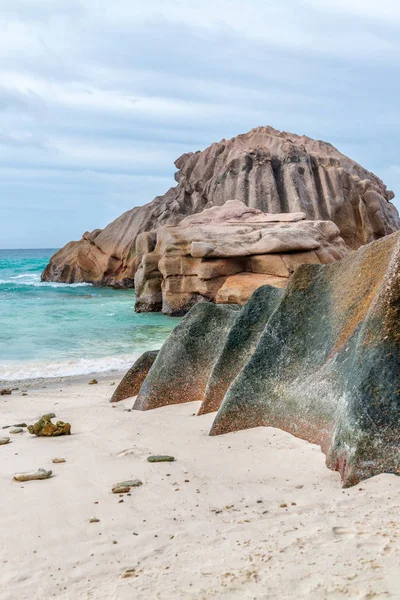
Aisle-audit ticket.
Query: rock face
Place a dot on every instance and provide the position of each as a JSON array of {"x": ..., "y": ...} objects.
[
  {"x": 319, "y": 359},
  {"x": 265, "y": 169},
  {"x": 225, "y": 253},
  {"x": 132, "y": 382},
  {"x": 181, "y": 369}
]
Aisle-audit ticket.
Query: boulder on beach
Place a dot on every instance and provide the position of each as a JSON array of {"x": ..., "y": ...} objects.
[
  {"x": 225, "y": 253},
  {"x": 268, "y": 170},
  {"x": 132, "y": 381},
  {"x": 319, "y": 359},
  {"x": 182, "y": 367}
]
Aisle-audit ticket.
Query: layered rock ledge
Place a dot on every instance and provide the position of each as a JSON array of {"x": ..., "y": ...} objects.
[
  {"x": 319, "y": 359},
  {"x": 275, "y": 172},
  {"x": 225, "y": 253}
]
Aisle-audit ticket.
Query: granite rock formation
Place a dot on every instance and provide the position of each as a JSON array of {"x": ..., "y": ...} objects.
[
  {"x": 132, "y": 381},
  {"x": 226, "y": 252},
  {"x": 265, "y": 169},
  {"x": 319, "y": 359}
]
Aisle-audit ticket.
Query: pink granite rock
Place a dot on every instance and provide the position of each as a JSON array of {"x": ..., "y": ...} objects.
[
  {"x": 225, "y": 253},
  {"x": 275, "y": 172}
]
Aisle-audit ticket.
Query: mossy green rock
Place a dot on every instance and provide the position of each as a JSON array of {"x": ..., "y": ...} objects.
[
  {"x": 183, "y": 365},
  {"x": 160, "y": 458},
  {"x": 320, "y": 359}
]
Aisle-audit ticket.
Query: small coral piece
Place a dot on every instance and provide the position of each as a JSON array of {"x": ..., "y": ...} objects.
[{"x": 45, "y": 428}]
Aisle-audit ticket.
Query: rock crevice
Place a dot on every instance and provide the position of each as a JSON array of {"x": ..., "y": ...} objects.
[
  {"x": 319, "y": 359},
  {"x": 265, "y": 169}
]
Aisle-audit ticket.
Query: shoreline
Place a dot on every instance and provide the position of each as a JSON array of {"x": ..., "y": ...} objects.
[{"x": 48, "y": 382}]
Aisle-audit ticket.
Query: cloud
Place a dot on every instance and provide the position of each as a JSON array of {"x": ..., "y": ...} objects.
[{"x": 98, "y": 98}]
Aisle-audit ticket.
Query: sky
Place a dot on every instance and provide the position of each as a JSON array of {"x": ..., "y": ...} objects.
[{"x": 99, "y": 97}]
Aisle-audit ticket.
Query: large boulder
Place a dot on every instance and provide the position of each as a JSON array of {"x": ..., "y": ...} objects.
[
  {"x": 225, "y": 253},
  {"x": 187, "y": 360},
  {"x": 132, "y": 381},
  {"x": 265, "y": 169},
  {"x": 319, "y": 359}
]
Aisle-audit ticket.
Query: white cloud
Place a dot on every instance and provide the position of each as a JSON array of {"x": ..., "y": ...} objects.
[{"x": 98, "y": 98}]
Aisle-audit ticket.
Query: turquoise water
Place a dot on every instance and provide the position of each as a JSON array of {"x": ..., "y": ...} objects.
[{"x": 54, "y": 329}]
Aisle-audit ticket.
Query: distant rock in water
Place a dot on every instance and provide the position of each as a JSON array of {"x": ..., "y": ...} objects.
[
  {"x": 225, "y": 253},
  {"x": 319, "y": 359},
  {"x": 265, "y": 169}
]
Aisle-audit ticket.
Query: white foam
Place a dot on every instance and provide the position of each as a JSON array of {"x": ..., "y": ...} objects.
[
  {"x": 83, "y": 366},
  {"x": 51, "y": 284}
]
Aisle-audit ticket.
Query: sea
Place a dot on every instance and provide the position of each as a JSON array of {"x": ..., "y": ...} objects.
[{"x": 57, "y": 329}]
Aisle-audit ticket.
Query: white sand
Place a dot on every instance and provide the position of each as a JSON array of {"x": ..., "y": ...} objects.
[{"x": 223, "y": 533}]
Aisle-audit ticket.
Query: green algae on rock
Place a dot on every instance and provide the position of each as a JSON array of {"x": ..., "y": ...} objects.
[
  {"x": 160, "y": 458},
  {"x": 320, "y": 360},
  {"x": 183, "y": 365},
  {"x": 124, "y": 487}
]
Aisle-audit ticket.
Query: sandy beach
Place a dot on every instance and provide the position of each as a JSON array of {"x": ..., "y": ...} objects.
[{"x": 253, "y": 514}]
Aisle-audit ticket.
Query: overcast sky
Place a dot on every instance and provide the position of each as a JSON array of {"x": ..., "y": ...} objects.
[{"x": 99, "y": 97}]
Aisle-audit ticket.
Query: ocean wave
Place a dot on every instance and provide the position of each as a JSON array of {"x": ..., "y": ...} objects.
[
  {"x": 51, "y": 284},
  {"x": 83, "y": 366}
]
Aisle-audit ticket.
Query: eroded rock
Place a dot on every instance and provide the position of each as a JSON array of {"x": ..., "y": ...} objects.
[
  {"x": 187, "y": 360},
  {"x": 275, "y": 172},
  {"x": 132, "y": 381},
  {"x": 225, "y": 253},
  {"x": 319, "y": 359}
]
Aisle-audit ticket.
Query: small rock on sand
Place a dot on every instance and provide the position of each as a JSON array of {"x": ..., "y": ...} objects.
[
  {"x": 45, "y": 428},
  {"x": 33, "y": 475},
  {"x": 4, "y": 441},
  {"x": 93, "y": 382},
  {"x": 16, "y": 430},
  {"x": 94, "y": 520},
  {"x": 5, "y": 392},
  {"x": 57, "y": 460},
  {"x": 160, "y": 458},
  {"x": 20, "y": 425},
  {"x": 123, "y": 487}
]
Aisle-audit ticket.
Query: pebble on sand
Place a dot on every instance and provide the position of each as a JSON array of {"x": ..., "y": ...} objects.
[
  {"x": 4, "y": 441},
  {"x": 93, "y": 382},
  {"x": 16, "y": 430},
  {"x": 123, "y": 487},
  {"x": 160, "y": 458},
  {"x": 58, "y": 460},
  {"x": 33, "y": 475}
]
